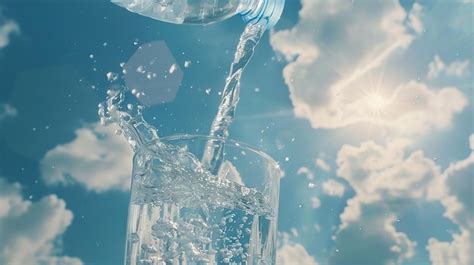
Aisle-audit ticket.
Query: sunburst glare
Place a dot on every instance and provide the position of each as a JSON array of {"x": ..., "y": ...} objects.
[{"x": 376, "y": 102}]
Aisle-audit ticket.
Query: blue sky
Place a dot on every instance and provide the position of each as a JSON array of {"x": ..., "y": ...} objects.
[{"x": 367, "y": 106}]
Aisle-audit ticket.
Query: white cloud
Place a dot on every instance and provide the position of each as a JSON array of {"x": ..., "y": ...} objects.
[
  {"x": 414, "y": 19},
  {"x": 457, "y": 252},
  {"x": 6, "y": 111},
  {"x": 371, "y": 238},
  {"x": 7, "y": 28},
  {"x": 383, "y": 177},
  {"x": 29, "y": 229},
  {"x": 414, "y": 108},
  {"x": 96, "y": 158},
  {"x": 322, "y": 164},
  {"x": 305, "y": 171},
  {"x": 376, "y": 172},
  {"x": 336, "y": 52},
  {"x": 292, "y": 253},
  {"x": 315, "y": 202},
  {"x": 454, "y": 189},
  {"x": 387, "y": 176},
  {"x": 333, "y": 188},
  {"x": 456, "y": 68}
]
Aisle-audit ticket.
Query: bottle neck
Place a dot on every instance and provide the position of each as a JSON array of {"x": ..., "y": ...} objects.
[{"x": 254, "y": 11}]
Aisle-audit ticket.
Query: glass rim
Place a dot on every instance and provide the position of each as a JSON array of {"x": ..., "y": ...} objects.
[{"x": 227, "y": 142}]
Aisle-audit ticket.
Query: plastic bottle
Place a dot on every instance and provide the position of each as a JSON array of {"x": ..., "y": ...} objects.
[{"x": 206, "y": 11}]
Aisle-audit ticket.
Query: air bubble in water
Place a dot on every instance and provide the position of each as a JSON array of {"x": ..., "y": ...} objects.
[{"x": 134, "y": 238}]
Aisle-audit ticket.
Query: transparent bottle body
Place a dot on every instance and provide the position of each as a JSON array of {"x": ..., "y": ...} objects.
[{"x": 187, "y": 11}]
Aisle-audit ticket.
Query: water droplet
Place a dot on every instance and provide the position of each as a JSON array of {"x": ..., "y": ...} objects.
[
  {"x": 173, "y": 68},
  {"x": 141, "y": 69},
  {"x": 112, "y": 76}
]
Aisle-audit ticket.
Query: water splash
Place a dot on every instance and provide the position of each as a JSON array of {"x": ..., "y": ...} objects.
[{"x": 118, "y": 109}]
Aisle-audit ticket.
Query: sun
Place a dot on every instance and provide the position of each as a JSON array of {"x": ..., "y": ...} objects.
[
  {"x": 376, "y": 102},
  {"x": 376, "y": 106}
]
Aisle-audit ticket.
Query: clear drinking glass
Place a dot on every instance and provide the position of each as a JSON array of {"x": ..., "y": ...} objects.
[{"x": 182, "y": 214}]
